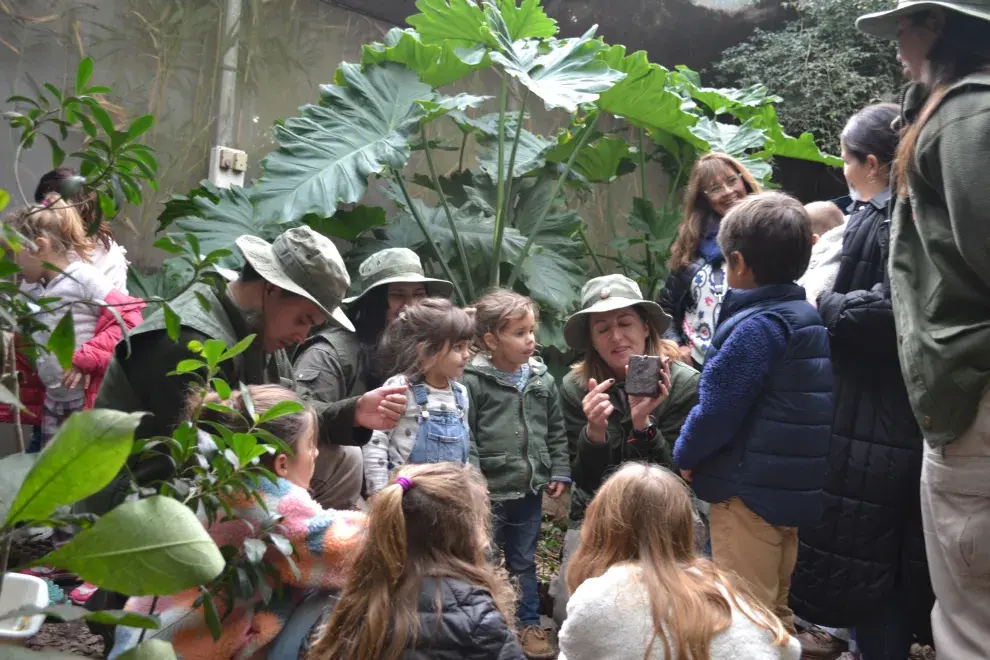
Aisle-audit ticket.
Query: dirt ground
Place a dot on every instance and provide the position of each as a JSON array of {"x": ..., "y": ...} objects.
[{"x": 73, "y": 637}]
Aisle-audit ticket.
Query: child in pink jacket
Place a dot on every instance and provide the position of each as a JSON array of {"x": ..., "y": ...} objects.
[{"x": 326, "y": 543}]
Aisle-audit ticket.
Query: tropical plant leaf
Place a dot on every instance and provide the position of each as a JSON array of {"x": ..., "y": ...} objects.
[
  {"x": 4, "y": 199},
  {"x": 153, "y": 649},
  {"x": 643, "y": 97},
  {"x": 150, "y": 547},
  {"x": 84, "y": 456},
  {"x": 14, "y": 469},
  {"x": 565, "y": 76},
  {"x": 326, "y": 155},
  {"x": 730, "y": 139},
  {"x": 527, "y": 21},
  {"x": 436, "y": 65},
  {"x": 69, "y": 612},
  {"x": 181, "y": 206},
  {"x": 452, "y": 185},
  {"x": 781, "y": 144},
  {"x": 599, "y": 162},
  {"x": 458, "y": 22},
  {"x": 349, "y": 224},
  {"x": 217, "y": 221},
  {"x": 62, "y": 341},
  {"x": 740, "y": 103},
  {"x": 530, "y": 155},
  {"x": 442, "y": 105}
]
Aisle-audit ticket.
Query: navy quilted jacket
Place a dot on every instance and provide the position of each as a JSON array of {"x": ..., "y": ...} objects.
[
  {"x": 762, "y": 428},
  {"x": 468, "y": 625},
  {"x": 868, "y": 546}
]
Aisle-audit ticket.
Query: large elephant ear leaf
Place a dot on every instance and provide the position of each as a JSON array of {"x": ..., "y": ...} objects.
[
  {"x": 326, "y": 155},
  {"x": 643, "y": 97},
  {"x": 217, "y": 221},
  {"x": 528, "y": 21},
  {"x": 530, "y": 155},
  {"x": 435, "y": 64},
  {"x": 564, "y": 76},
  {"x": 731, "y": 139},
  {"x": 459, "y": 22}
]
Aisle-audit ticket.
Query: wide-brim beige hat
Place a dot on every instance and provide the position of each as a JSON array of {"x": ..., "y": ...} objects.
[
  {"x": 397, "y": 265},
  {"x": 305, "y": 263},
  {"x": 606, "y": 294},
  {"x": 883, "y": 24}
]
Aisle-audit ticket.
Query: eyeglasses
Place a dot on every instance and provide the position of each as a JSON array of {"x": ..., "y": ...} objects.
[{"x": 727, "y": 185}]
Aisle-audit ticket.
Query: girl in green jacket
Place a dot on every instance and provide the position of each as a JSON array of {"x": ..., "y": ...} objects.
[{"x": 518, "y": 442}]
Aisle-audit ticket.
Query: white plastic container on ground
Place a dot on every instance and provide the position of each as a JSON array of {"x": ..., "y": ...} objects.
[{"x": 18, "y": 591}]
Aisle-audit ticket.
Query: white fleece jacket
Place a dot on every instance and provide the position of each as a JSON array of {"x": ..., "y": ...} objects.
[
  {"x": 608, "y": 618},
  {"x": 823, "y": 268}
]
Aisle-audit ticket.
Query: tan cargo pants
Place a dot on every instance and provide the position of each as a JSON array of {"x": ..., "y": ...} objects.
[
  {"x": 762, "y": 554},
  {"x": 955, "y": 507}
]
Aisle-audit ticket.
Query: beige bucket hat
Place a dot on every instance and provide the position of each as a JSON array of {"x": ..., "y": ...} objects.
[
  {"x": 397, "y": 265},
  {"x": 605, "y": 294},
  {"x": 304, "y": 262},
  {"x": 883, "y": 24}
]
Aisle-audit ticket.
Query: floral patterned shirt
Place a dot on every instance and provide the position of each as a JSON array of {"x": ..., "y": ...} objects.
[{"x": 707, "y": 289}]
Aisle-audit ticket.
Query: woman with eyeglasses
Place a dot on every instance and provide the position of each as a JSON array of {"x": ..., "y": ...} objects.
[{"x": 692, "y": 295}]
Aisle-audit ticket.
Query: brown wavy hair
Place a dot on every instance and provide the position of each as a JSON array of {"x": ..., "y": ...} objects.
[
  {"x": 422, "y": 332},
  {"x": 494, "y": 310},
  {"x": 697, "y": 208},
  {"x": 960, "y": 50},
  {"x": 642, "y": 515},
  {"x": 441, "y": 527}
]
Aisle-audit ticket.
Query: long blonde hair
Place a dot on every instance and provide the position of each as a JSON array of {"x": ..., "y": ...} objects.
[
  {"x": 57, "y": 221},
  {"x": 643, "y": 515},
  {"x": 440, "y": 527},
  {"x": 696, "y": 205}
]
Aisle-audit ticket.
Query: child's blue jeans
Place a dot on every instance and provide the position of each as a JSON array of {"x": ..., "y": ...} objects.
[{"x": 517, "y": 529}]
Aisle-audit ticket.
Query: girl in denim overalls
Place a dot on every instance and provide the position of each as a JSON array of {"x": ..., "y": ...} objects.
[{"x": 426, "y": 349}]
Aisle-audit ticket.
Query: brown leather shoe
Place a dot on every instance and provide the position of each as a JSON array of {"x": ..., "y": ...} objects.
[
  {"x": 535, "y": 644},
  {"x": 816, "y": 644}
]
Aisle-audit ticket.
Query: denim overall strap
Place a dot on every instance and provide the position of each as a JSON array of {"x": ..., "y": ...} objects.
[{"x": 442, "y": 434}]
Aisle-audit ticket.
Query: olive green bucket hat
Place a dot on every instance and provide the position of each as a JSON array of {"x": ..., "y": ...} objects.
[
  {"x": 883, "y": 24},
  {"x": 304, "y": 262},
  {"x": 397, "y": 265},
  {"x": 605, "y": 294}
]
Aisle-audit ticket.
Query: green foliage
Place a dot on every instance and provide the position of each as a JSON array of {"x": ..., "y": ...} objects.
[
  {"x": 153, "y": 649},
  {"x": 114, "y": 164},
  {"x": 823, "y": 68},
  {"x": 149, "y": 547},
  {"x": 92, "y": 447}
]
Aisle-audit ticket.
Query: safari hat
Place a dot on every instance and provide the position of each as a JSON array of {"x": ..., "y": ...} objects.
[
  {"x": 604, "y": 294},
  {"x": 304, "y": 262},
  {"x": 883, "y": 24},
  {"x": 397, "y": 265}
]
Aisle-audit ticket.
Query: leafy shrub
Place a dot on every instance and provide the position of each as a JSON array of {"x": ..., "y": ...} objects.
[{"x": 822, "y": 67}]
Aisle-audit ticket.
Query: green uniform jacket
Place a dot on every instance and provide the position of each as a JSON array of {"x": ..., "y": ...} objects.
[
  {"x": 592, "y": 463},
  {"x": 332, "y": 365},
  {"x": 940, "y": 261},
  {"x": 518, "y": 438},
  {"x": 140, "y": 381}
]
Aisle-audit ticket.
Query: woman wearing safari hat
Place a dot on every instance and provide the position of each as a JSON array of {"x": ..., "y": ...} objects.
[
  {"x": 940, "y": 284},
  {"x": 605, "y": 427},
  {"x": 336, "y": 364}
]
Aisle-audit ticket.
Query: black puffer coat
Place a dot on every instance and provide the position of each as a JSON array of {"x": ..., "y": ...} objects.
[
  {"x": 869, "y": 541},
  {"x": 468, "y": 625}
]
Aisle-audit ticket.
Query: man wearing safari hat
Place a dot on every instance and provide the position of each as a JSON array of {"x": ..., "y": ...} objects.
[
  {"x": 940, "y": 289},
  {"x": 336, "y": 364},
  {"x": 285, "y": 289}
]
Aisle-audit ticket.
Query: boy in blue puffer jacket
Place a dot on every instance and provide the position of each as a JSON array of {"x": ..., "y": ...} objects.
[{"x": 756, "y": 445}]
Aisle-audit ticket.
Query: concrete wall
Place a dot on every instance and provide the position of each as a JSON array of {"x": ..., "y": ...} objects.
[{"x": 164, "y": 58}]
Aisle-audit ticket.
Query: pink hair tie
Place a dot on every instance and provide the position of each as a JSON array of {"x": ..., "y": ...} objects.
[
  {"x": 46, "y": 203},
  {"x": 405, "y": 483}
]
